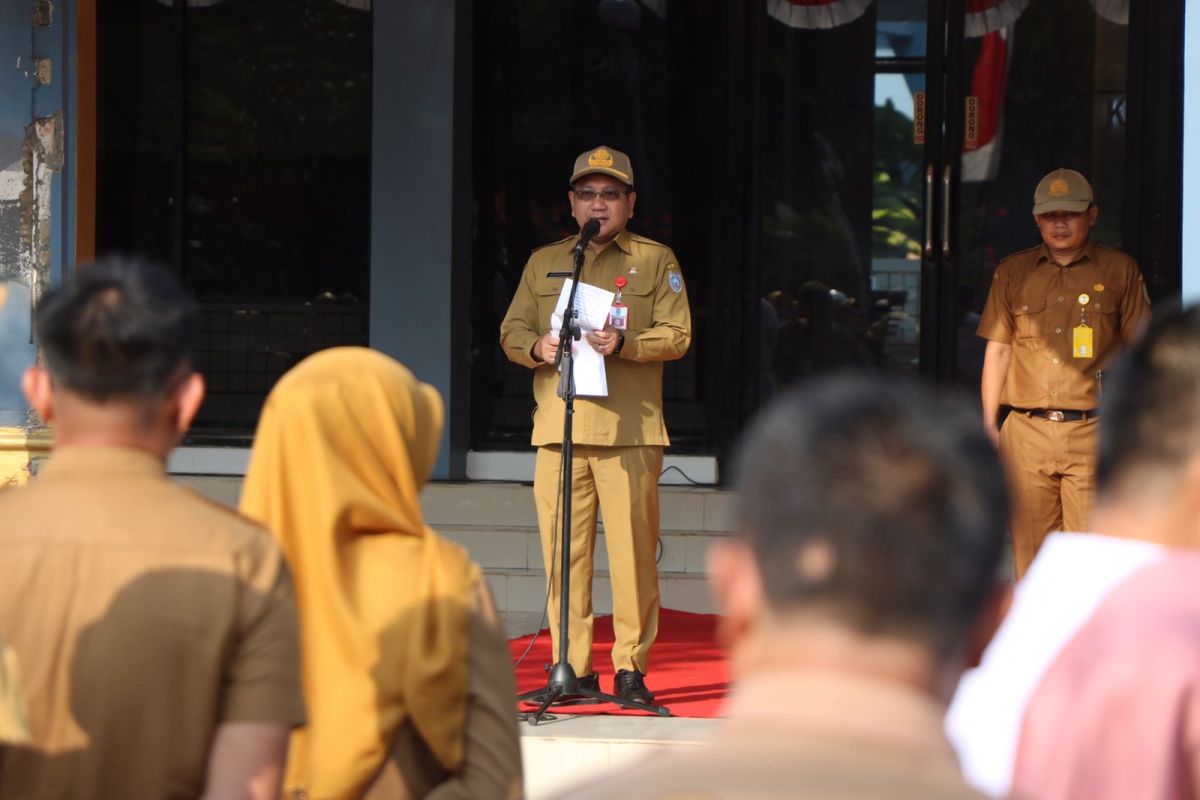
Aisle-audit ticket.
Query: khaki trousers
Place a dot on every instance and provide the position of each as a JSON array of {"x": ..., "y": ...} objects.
[
  {"x": 623, "y": 482},
  {"x": 1051, "y": 469}
]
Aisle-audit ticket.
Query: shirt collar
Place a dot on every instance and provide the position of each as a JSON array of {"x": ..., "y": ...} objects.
[
  {"x": 623, "y": 241},
  {"x": 1089, "y": 254},
  {"x": 852, "y": 708},
  {"x": 102, "y": 460}
]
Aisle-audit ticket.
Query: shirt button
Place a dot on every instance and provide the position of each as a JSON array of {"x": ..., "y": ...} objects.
[
  {"x": 1024, "y": 308},
  {"x": 1058, "y": 330},
  {"x": 1054, "y": 392},
  {"x": 1060, "y": 299},
  {"x": 1056, "y": 361}
]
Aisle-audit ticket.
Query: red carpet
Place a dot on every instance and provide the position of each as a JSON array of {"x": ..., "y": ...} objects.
[{"x": 689, "y": 671}]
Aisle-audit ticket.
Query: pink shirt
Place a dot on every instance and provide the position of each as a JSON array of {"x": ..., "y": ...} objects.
[{"x": 1091, "y": 688}]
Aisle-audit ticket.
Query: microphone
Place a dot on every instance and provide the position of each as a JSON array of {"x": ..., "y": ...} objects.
[{"x": 585, "y": 235}]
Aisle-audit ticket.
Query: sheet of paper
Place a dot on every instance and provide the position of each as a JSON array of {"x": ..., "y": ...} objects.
[
  {"x": 591, "y": 305},
  {"x": 591, "y": 309}
]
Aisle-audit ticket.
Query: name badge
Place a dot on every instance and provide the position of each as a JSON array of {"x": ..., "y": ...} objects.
[
  {"x": 618, "y": 317},
  {"x": 1081, "y": 342}
]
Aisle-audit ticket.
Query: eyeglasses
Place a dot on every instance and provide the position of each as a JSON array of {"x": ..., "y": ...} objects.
[{"x": 609, "y": 195}]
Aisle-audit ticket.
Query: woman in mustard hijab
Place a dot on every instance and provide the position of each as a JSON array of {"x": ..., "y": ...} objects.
[{"x": 406, "y": 671}]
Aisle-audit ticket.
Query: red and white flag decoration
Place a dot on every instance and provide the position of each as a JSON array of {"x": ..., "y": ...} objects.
[
  {"x": 985, "y": 16},
  {"x": 1113, "y": 10},
  {"x": 984, "y": 124},
  {"x": 816, "y": 14}
]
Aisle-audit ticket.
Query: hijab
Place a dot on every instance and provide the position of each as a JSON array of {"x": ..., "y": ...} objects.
[{"x": 345, "y": 442}]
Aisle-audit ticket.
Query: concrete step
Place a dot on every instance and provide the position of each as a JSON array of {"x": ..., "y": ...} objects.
[
  {"x": 570, "y": 750},
  {"x": 684, "y": 509},
  {"x": 524, "y": 590},
  {"x": 521, "y": 548},
  {"x": 497, "y": 524}
]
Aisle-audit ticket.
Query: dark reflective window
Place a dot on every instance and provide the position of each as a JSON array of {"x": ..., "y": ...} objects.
[
  {"x": 234, "y": 143},
  {"x": 543, "y": 94}
]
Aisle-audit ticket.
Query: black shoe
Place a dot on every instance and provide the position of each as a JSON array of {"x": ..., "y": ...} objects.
[
  {"x": 586, "y": 682},
  {"x": 631, "y": 685}
]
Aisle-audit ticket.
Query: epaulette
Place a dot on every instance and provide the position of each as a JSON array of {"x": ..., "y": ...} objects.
[
  {"x": 556, "y": 244},
  {"x": 643, "y": 240}
]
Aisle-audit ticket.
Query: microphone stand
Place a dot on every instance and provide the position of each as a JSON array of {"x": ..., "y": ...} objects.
[{"x": 562, "y": 680}]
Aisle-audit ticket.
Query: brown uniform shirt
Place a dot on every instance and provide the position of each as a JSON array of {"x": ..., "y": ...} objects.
[
  {"x": 143, "y": 616},
  {"x": 659, "y": 329},
  {"x": 491, "y": 753},
  {"x": 1034, "y": 305},
  {"x": 810, "y": 734},
  {"x": 14, "y": 718}
]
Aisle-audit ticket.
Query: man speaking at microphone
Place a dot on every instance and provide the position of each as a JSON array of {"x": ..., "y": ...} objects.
[{"x": 618, "y": 439}]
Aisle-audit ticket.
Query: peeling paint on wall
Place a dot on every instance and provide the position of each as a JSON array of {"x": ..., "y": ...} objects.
[
  {"x": 41, "y": 157},
  {"x": 32, "y": 153}
]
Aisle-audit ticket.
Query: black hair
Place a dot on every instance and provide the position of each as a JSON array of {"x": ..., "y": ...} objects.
[
  {"x": 118, "y": 328},
  {"x": 1150, "y": 416},
  {"x": 897, "y": 491}
]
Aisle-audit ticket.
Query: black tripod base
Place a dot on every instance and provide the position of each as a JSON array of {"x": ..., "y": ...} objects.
[{"x": 564, "y": 684}]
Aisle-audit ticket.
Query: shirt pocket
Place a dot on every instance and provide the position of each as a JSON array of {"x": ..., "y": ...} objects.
[
  {"x": 1101, "y": 314},
  {"x": 638, "y": 296},
  {"x": 547, "y": 292},
  {"x": 1029, "y": 318}
]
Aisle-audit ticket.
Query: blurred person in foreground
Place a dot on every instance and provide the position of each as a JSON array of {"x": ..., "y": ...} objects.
[
  {"x": 14, "y": 715},
  {"x": 405, "y": 664},
  {"x": 156, "y": 630},
  {"x": 871, "y": 518},
  {"x": 1091, "y": 687}
]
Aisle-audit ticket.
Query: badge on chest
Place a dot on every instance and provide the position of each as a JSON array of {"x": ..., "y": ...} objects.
[
  {"x": 618, "y": 315},
  {"x": 1082, "y": 345}
]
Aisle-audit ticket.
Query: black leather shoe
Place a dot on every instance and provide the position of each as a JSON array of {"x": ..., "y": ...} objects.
[
  {"x": 586, "y": 682},
  {"x": 631, "y": 685}
]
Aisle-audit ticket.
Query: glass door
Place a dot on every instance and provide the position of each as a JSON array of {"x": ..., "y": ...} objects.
[{"x": 843, "y": 127}]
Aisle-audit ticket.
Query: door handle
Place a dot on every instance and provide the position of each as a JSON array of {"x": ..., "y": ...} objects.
[
  {"x": 929, "y": 212},
  {"x": 947, "y": 180}
]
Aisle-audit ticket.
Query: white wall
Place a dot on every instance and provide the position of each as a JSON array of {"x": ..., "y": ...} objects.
[{"x": 1191, "y": 152}]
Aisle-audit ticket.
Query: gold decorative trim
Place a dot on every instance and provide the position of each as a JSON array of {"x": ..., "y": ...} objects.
[{"x": 34, "y": 440}]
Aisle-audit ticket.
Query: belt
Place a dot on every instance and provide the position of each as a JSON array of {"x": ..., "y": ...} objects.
[{"x": 1059, "y": 415}]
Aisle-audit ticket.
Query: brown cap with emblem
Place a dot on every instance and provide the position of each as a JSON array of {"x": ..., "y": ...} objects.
[
  {"x": 605, "y": 161},
  {"x": 1062, "y": 190}
]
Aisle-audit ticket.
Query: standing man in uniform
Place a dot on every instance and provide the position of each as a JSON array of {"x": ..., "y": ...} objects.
[
  {"x": 156, "y": 630},
  {"x": 1056, "y": 316},
  {"x": 618, "y": 439}
]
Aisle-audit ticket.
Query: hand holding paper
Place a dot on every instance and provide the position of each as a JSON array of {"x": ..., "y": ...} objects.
[{"x": 591, "y": 310}]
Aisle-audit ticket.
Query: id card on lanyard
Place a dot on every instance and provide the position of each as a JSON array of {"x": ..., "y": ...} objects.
[
  {"x": 618, "y": 315},
  {"x": 1082, "y": 344}
]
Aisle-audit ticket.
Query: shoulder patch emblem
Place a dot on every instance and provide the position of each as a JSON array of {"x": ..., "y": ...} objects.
[
  {"x": 676, "y": 282},
  {"x": 1099, "y": 287}
]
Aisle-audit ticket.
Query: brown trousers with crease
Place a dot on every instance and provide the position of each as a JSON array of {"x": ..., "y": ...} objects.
[
  {"x": 1051, "y": 468},
  {"x": 622, "y": 482}
]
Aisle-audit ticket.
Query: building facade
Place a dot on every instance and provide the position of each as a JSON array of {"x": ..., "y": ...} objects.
[{"x": 838, "y": 177}]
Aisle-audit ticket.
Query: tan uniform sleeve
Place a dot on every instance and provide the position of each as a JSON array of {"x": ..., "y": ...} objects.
[
  {"x": 996, "y": 322},
  {"x": 492, "y": 755},
  {"x": 263, "y": 682},
  {"x": 670, "y": 332},
  {"x": 1135, "y": 307},
  {"x": 520, "y": 328}
]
